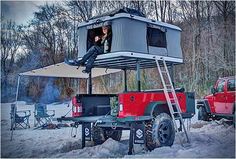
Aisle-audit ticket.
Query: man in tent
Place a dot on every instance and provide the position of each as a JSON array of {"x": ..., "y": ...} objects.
[{"x": 102, "y": 45}]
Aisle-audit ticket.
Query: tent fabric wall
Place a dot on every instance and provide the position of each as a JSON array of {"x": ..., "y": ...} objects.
[
  {"x": 173, "y": 43},
  {"x": 128, "y": 35},
  {"x": 82, "y": 41},
  {"x": 157, "y": 51}
]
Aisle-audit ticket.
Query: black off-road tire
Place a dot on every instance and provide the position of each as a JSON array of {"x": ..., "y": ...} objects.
[
  {"x": 98, "y": 135},
  {"x": 114, "y": 134},
  {"x": 159, "y": 132},
  {"x": 202, "y": 114},
  {"x": 234, "y": 115}
]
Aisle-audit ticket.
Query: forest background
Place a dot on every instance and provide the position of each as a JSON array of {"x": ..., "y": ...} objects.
[{"x": 208, "y": 45}]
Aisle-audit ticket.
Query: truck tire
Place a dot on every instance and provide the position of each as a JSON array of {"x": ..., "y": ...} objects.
[
  {"x": 98, "y": 135},
  {"x": 160, "y": 132},
  {"x": 202, "y": 114},
  {"x": 114, "y": 134}
]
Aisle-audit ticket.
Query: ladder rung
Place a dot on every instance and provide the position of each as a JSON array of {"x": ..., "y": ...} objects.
[
  {"x": 176, "y": 113},
  {"x": 172, "y": 98},
  {"x": 170, "y": 89},
  {"x": 177, "y": 118},
  {"x": 163, "y": 72}
]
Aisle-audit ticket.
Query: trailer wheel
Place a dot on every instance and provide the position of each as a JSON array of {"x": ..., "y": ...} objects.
[
  {"x": 114, "y": 134},
  {"x": 202, "y": 114},
  {"x": 98, "y": 135},
  {"x": 160, "y": 132}
]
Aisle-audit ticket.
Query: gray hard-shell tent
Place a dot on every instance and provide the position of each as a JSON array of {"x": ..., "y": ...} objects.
[{"x": 135, "y": 35}]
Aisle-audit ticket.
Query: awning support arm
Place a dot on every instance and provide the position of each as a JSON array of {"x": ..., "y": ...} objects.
[
  {"x": 17, "y": 92},
  {"x": 17, "y": 88}
]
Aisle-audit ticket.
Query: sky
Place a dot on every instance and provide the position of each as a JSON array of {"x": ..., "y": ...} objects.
[{"x": 20, "y": 11}]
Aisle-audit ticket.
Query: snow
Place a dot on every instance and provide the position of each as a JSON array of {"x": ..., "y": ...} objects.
[{"x": 208, "y": 139}]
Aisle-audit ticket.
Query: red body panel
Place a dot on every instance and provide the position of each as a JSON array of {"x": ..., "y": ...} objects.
[
  {"x": 135, "y": 103},
  {"x": 222, "y": 102},
  {"x": 230, "y": 100},
  {"x": 210, "y": 99}
]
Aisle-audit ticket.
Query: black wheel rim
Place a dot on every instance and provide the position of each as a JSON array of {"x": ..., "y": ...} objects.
[{"x": 164, "y": 132}]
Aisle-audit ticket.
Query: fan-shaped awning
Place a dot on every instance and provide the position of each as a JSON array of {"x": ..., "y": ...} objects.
[{"x": 65, "y": 70}]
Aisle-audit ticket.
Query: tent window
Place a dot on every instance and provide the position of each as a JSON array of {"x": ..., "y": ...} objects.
[
  {"x": 231, "y": 85},
  {"x": 156, "y": 37},
  {"x": 220, "y": 87},
  {"x": 92, "y": 33},
  {"x": 91, "y": 36}
]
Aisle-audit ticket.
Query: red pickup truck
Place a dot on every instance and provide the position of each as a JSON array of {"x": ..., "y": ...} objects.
[{"x": 219, "y": 104}]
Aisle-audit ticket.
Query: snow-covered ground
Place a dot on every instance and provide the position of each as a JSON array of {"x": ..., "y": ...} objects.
[{"x": 208, "y": 139}]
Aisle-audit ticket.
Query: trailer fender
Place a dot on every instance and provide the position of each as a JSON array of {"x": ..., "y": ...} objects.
[
  {"x": 155, "y": 108},
  {"x": 204, "y": 103}
]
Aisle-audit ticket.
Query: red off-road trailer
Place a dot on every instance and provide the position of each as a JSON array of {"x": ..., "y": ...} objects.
[{"x": 137, "y": 43}]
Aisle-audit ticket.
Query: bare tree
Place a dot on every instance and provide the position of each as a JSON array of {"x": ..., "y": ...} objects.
[
  {"x": 226, "y": 9},
  {"x": 84, "y": 8},
  {"x": 208, "y": 40},
  {"x": 10, "y": 44}
]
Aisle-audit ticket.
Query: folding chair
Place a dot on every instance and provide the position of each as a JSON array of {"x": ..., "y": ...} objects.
[
  {"x": 19, "y": 118},
  {"x": 42, "y": 116}
]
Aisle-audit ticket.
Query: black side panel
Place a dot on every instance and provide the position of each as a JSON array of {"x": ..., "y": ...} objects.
[
  {"x": 190, "y": 103},
  {"x": 204, "y": 103},
  {"x": 103, "y": 109},
  {"x": 95, "y": 104},
  {"x": 207, "y": 106}
]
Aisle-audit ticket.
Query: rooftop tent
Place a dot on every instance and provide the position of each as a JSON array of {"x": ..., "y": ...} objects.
[
  {"x": 121, "y": 10},
  {"x": 64, "y": 70},
  {"x": 133, "y": 34}
]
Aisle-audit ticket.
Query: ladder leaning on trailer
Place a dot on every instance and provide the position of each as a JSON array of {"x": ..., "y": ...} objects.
[{"x": 171, "y": 97}]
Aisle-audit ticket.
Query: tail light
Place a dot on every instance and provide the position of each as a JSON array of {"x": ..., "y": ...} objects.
[
  {"x": 121, "y": 107},
  {"x": 76, "y": 107}
]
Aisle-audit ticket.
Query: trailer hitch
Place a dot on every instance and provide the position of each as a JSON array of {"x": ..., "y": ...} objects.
[
  {"x": 114, "y": 125},
  {"x": 74, "y": 125},
  {"x": 97, "y": 122}
]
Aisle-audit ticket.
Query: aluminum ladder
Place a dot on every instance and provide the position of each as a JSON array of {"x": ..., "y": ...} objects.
[{"x": 171, "y": 97}]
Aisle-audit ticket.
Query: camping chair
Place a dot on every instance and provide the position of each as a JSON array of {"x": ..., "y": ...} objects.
[
  {"x": 19, "y": 118},
  {"x": 42, "y": 116}
]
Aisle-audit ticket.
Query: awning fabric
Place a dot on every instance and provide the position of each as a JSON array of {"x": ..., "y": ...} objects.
[{"x": 65, "y": 70}]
